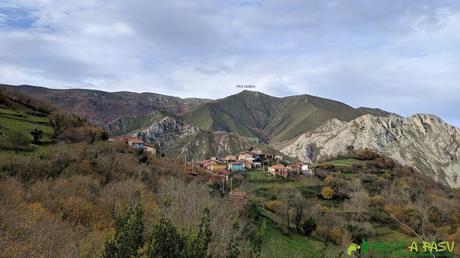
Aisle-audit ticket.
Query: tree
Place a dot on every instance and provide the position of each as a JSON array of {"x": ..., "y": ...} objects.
[
  {"x": 358, "y": 205},
  {"x": 104, "y": 136},
  {"x": 327, "y": 193},
  {"x": 91, "y": 136},
  {"x": 167, "y": 241},
  {"x": 129, "y": 236},
  {"x": 309, "y": 226},
  {"x": 17, "y": 140},
  {"x": 200, "y": 243},
  {"x": 57, "y": 122},
  {"x": 257, "y": 240},
  {"x": 37, "y": 134},
  {"x": 232, "y": 248},
  {"x": 3, "y": 98}
]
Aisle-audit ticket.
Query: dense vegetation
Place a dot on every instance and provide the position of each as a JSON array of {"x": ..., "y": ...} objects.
[
  {"x": 28, "y": 124},
  {"x": 361, "y": 196}
]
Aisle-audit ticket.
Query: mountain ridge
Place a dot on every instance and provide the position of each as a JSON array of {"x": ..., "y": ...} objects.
[
  {"x": 271, "y": 119},
  {"x": 101, "y": 107}
]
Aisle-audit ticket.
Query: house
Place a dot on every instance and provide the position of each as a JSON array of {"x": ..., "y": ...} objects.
[
  {"x": 256, "y": 164},
  {"x": 278, "y": 170},
  {"x": 136, "y": 143},
  {"x": 215, "y": 166},
  {"x": 236, "y": 166},
  {"x": 246, "y": 156},
  {"x": 150, "y": 149},
  {"x": 231, "y": 158},
  {"x": 295, "y": 168},
  {"x": 306, "y": 170},
  {"x": 247, "y": 164},
  {"x": 237, "y": 195}
]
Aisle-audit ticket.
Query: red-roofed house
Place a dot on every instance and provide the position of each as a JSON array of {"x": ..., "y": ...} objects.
[{"x": 278, "y": 170}]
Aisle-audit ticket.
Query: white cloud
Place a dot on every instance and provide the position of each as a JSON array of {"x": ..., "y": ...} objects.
[{"x": 402, "y": 56}]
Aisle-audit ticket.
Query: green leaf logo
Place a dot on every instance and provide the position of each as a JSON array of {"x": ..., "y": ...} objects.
[{"x": 352, "y": 248}]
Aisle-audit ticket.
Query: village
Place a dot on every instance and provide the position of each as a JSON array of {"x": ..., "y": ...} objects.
[{"x": 221, "y": 170}]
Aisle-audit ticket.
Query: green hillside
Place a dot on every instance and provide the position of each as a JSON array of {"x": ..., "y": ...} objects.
[
  {"x": 17, "y": 121},
  {"x": 271, "y": 119}
]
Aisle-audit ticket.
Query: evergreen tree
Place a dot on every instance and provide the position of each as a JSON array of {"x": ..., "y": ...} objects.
[
  {"x": 129, "y": 236},
  {"x": 167, "y": 241},
  {"x": 257, "y": 240},
  {"x": 232, "y": 249},
  {"x": 199, "y": 244}
]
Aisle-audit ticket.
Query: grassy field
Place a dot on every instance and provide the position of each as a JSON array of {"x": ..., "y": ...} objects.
[
  {"x": 23, "y": 120},
  {"x": 277, "y": 245},
  {"x": 344, "y": 162}
]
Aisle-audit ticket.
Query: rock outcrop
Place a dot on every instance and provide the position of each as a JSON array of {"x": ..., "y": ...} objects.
[
  {"x": 422, "y": 141},
  {"x": 177, "y": 137},
  {"x": 167, "y": 131}
]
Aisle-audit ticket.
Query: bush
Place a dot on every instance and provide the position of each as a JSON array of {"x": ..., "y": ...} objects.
[
  {"x": 274, "y": 206},
  {"x": 327, "y": 193},
  {"x": 360, "y": 230},
  {"x": 309, "y": 226}
]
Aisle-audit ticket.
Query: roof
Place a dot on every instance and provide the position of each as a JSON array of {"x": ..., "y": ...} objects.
[
  {"x": 277, "y": 166},
  {"x": 218, "y": 163},
  {"x": 135, "y": 141}
]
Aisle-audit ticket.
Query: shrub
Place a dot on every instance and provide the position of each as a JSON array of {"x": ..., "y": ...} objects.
[
  {"x": 309, "y": 226},
  {"x": 360, "y": 230},
  {"x": 274, "y": 206},
  {"x": 327, "y": 193}
]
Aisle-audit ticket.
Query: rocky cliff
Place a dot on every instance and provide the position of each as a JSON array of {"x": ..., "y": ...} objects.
[
  {"x": 422, "y": 141},
  {"x": 167, "y": 131},
  {"x": 177, "y": 137}
]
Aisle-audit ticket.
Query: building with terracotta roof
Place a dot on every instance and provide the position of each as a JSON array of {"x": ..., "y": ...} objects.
[{"x": 278, "y": 170}]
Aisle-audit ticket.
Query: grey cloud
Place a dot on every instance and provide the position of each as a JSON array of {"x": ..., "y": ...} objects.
[{"x": 402, "y": 56}]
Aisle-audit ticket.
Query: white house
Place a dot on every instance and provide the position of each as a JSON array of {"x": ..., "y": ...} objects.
[{"x": 306, "y": 170}]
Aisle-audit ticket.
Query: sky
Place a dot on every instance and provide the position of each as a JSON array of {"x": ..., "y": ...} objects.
[{"x": 401, "y": 56}]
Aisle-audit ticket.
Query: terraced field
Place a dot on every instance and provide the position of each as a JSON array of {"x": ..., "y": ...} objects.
[{"x": 21, "y": 120}]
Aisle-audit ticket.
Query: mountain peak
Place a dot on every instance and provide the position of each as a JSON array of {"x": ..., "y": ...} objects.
[{"x": 253, "y": 93}]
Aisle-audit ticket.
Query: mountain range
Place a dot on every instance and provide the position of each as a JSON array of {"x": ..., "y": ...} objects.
[
  {"x": 200, "y": 128},
  {"x": 101, "y": 107}
]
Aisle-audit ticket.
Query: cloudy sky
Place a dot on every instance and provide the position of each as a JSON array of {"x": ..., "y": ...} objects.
[{"x": 402, "y": 56}]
